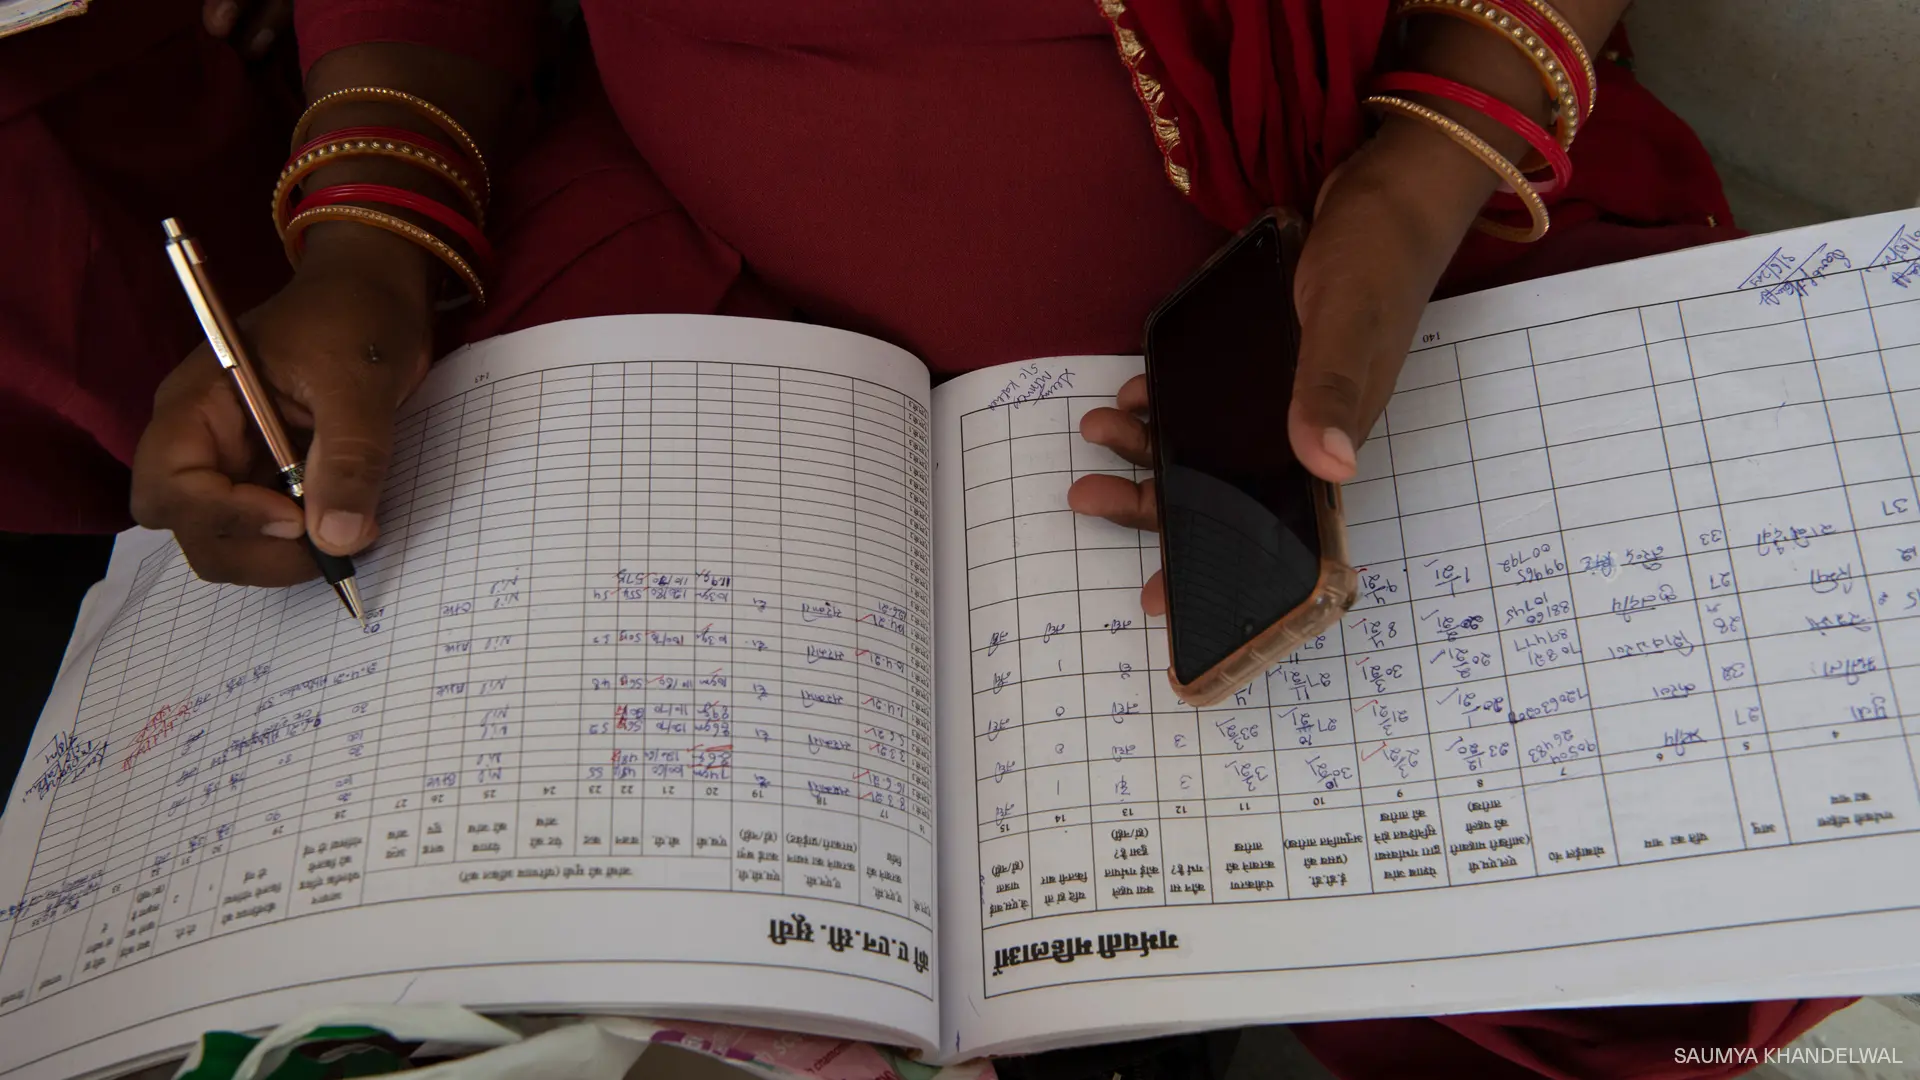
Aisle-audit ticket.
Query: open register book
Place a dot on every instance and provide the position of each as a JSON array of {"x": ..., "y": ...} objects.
[{"x": 723, "y": 669}]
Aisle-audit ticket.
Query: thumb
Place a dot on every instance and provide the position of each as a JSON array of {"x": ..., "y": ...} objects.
[
  {"x": 1369, "y": 264},
  {"x": 347, "y": 465}
]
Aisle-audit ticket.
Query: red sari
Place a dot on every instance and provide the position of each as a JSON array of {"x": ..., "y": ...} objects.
[{"x": 973, "y": 182}]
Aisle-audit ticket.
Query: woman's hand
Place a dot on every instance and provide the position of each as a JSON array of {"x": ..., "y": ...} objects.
[
  {"x": 1387, "y": 225},
  {"x": 252, "y": 25},
  {"x": 340, "y": 346}
]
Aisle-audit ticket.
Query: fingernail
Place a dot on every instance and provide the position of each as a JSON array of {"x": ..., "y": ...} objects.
[
  {"x": 340, "y": 528},
  {"x": 283, "y": 530},
  {"x": 223, "y": 18},
  {"x": 261, "y": 41},
  {"x": 1338, "y": 446}
]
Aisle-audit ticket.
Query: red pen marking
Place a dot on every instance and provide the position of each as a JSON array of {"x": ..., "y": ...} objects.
[
  {"x": 157, "y": 727},
  {"x": 859, "y": 653},
  {"x": 1368, "y": 705},
  {"x": 1375, "y": 750},
  {"x": 1359, "y": 621},
  {"x": 1362, "y": 661}
]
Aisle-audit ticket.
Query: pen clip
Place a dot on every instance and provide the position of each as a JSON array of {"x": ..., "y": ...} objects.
[{"x": 186, "y": 262}]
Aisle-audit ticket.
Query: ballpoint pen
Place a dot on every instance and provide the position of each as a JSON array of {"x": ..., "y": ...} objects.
[{"x": 230, "y": 348}]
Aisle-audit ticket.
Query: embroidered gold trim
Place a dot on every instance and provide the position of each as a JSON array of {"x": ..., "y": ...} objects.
[{"x": 1166, "y": 130}]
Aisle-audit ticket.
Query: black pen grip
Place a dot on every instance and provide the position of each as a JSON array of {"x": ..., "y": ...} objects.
[{"x": 335, "y": 568}]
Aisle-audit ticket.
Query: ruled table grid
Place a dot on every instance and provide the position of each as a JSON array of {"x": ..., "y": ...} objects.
[
  {"x": 641, "y": 625},
  {"x": 1633, "y": 587}
]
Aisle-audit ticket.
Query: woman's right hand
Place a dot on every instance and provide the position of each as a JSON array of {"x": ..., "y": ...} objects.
[{"x": 340, "y": 347}]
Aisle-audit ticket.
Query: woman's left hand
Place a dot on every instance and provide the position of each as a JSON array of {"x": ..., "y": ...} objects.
[{"x": 251, "y": 25}]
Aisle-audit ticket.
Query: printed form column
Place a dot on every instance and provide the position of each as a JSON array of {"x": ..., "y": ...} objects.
[
  {"x": 334, "y": 819},
  {"x": 286, "y": 721},
  {"x": 588, "y": 770},
  {"x": 890, "y": 797},
  {"x": 993, "y": 618},
  {"x": 1380, "y": 703},
  {"x": 667, "y": 677},
  {"x": 1546, "y": 699},
  {"x": 1723, "y": 625},
  {"x": 917, "y": 476},
  {"x": 76, "y": 773},
  {"x": 446, "y": 762},
  {"x": 399, "y": 789},
  {"x": 528, "y": 656},
  {"x": 191, "y": 791},
  {"x": 132, "y": 745},
  {"x": 1135, "y": 789},
  {"x": 1062, "y": 734},
  {"x": 497, "y": 721},
  {"x": 1534, "y": 637},
  {"x": 537, "y": 641},
  {"x": 755, "y": 679},
  {"x": 712, "y": 584},
  {"x": 1451, "y": 584},
  {"x": 1425, "y": 448},
  {"x": 1892, "y": 553},
  {"x": 818, "y": 545},
  {"x": 1826, "y": 696},
  {"x": 624, "y": 710},
  {"x": 349, "y": 745},
  {"x": 1654, "y": 719}
]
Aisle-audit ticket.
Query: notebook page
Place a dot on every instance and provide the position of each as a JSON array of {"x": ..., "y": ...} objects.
[
  {"x": 641, "y": 720},
  {"x": 19, "y": 16},
  {"x": 1627, "y": 710}
]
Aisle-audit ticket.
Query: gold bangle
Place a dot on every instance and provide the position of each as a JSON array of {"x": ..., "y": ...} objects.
[
  {"x": 1579, "y": 48},
  {"x": 1553, "y": 77},
  {"x": 1488, "y": 156},
  {"x": 299, "y": 168},
  {"x": 398, "y": 226},
  {"x": 420, "y": 106}
]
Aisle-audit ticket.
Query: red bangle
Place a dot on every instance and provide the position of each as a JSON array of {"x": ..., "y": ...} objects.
[
  {"x": 466, "y": 231},
  {"x": 1543, "y": 143},
  {"x": 1560, "y": 39},
  {"x": 392, "y": 134}
]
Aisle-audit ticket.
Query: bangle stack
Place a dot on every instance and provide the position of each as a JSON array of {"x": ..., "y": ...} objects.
[
  {"x": 1566, "y": 72},
  {"x": 456, "y": 236}
]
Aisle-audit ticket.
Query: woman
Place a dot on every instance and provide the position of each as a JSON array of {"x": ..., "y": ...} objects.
[{"x": 976, "y": 183}]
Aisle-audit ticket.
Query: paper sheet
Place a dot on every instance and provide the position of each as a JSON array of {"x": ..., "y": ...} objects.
[{"x": 1628, "y": 710}]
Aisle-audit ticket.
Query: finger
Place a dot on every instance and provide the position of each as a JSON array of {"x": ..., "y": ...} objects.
[
  {"x": 1132, "y": 397},
  {"x": 186, "y": 458},
  {"x": 266, "y": 20},
  {"x": 348, "y": 460},
  {"x": 1117, "y": 499},
  {"x": 218, "y": 16},
  {"x": 230, "y": 532},
  {"x": 1153, "y": 596},
  {"x": 1120, "y": 432},
  {"x": 248, "y": 560}
]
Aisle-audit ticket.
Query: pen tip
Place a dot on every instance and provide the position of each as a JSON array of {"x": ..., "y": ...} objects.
[
  {"x": 172, "y": 226},
  {"x": 350, "y": 596}
]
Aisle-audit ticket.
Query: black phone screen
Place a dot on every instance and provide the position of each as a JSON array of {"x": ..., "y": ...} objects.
[{"x": 1241, "y": 537}]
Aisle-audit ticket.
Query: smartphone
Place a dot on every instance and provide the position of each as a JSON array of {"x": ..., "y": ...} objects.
[{"x": 1252, "y": 546}]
